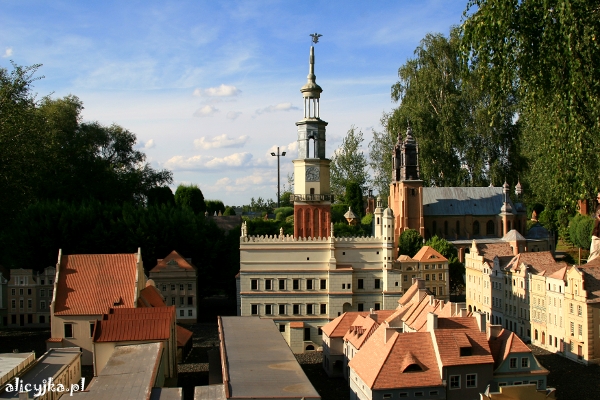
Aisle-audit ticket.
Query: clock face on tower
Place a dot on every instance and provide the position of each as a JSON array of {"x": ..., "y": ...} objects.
[{"x": 312, "y": 174}]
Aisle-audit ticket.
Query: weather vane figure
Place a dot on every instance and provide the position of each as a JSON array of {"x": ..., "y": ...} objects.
[{"x": 315, "y": 37}]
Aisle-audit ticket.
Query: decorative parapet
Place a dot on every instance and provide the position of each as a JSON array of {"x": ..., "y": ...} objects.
[
  {"x": 290, "y": 238},
  {"x": 312, "y": 197}
]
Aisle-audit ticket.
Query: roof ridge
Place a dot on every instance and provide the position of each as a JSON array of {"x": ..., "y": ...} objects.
[{"x": 393, "y": 339}]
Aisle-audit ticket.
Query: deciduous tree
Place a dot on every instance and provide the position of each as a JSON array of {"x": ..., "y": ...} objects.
[{"x": 349, "y": 163}]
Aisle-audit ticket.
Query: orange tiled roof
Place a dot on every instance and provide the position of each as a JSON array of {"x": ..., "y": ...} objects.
[
  {"x": 362, "y": 328},
  {"x": 427, "y": 254},
  {"x": 296, "y": 324},
  {"x": 89, "y": 284},
  {"x": 504, "y": 344},
  {"x": 150, "y": 297},
  {"x": 183, "y": 336},
  {"x": 54, "y": 340},
  {"x": 141, "y": 313},
  {"x": 340, "y": 325},
  {"x": 541, "y": 263},
  {"x": 120, "y": 330},
  {"x": 457, "y": 331},
  {"x": 382, "y": 365},
  {"x": 408, "y": 295},
  {"x": 176, "y": 259}
]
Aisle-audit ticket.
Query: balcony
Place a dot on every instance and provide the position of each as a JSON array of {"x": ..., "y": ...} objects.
[{"x": 313, "y": 197}]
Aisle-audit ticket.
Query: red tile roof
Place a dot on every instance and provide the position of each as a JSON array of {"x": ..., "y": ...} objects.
[
  {"x": 429, "y": 254},
  {"x": 340, "y": 325},
  {"x": 133, "y": 324},
  {"x": 54, "y": 340},
  {"x": 173, "y": 259},
  {"x": 541, "y": 263},
  {"x": 452, "y": 333},
  {"x": 296, "y": 324},
  {"x": 504, "y": 344},
  {"x": 360, "y": 330},
  {"x": 150, "y": 297},
  {"x": 383, "y": 365},
  {"x": 183, "y": 336},
  {"x": 90, "y": 284}
]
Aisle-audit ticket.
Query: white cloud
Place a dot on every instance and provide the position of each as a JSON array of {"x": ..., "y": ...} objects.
[
  {"x": 232, "y": 115},
  {"x": 206, "y": 111},
  {"x": 199, "y": 162},
  {"x": 8, "y": 52},
  {"x": 278, "y": 107},
  {"x": 219, "y": 91},
  {"x": 290, "y": 149},
  {"x": 220, "y": 141},
  {"x": 149, "y": 144}
]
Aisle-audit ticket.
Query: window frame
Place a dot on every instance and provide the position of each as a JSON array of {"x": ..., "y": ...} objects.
[
  {"x": 377, "y": 283},
  {"x": 70, "y": 325},
  {"x": 511, "y": 361},
  {"x": 360, "y": 283},
  {"x": 524, "y": 362},
  {"x": 454, "y": 385},
  {"x": 253, "y": 309},
  {"x": 473, "y": 384},
  {"x": 253, "y": 284}
]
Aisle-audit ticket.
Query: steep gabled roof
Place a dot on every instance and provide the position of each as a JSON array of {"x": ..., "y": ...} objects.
[
  {"x": 173, "y": 260},
  {"x": 429, "y": 254},
  {"x": 150, "y": 297},
  {"x": 591, "y": 282},
  {"x": 540, "y": 263},
  {"x": 384, "y": 365},
  {"x": 340, "y": 325},
  {"x": 456, "y": 332},
  {"x": 504, "y": 344},
  {"x": 360, "y": 330},
  {"x": 90, "y": 284}
]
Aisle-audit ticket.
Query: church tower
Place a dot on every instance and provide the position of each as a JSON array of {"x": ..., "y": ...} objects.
[
  {"x": 406, "y": 189},
  {"x": 312, "y": 194}
]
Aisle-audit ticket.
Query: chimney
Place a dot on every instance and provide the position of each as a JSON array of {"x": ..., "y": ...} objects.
[
  {"x": 420, "y": 283},
  {"x": 480, "y": 318},
  {"x": 463, "y": 312},
  {"x": 432, "y": 322},
  {"x": 372, "y": 314},
  {"x": 431, "y": 300},
  {"x": 493, "y": 331},
  {"x": 389, "y": 332}
]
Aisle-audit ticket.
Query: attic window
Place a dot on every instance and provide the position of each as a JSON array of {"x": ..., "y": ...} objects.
[
  {"x": 118, "y": 302},
  {"x": 466, "y": 351},
  {"x": 413, "y": 368}
]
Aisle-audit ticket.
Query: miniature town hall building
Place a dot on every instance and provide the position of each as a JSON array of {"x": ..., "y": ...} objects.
[{"x": 305, "y": 281}]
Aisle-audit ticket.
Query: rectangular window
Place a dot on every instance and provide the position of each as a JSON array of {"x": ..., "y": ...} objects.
[
  {"x": 471, "y": 380},
  {"x": 513, "y": 362},
  {"x": 405, "y": 277},
  {"x": 13, "y": 304},
  {"x": 254, "y": 284},
  {"x": 13, "y": 292},
  {"x": 268, "y": 284},
  {"x": 403, "y": 394},
  {"x": 309, "y": 309},
  {"x": 579, "y": 311},
  {"x": 68, "y": 330},
  {"x": 433, "y": 290},
  {"x": 454, "y": 381},
  {"x": 254, "y": 309},
  {"x": 190, "y": 301},
  {"x": 282, "y": 284},
  {"x": 579, "y": 329},
  {"x": 49, "y": 281},
  {"x": 41, "y": 282},
  {"x": 181, "y": 286},
  {"x": 306, "y": 333},
  {"x": 42, "y": 293},
  {"x": 92, "y": 324},
  {"x": 282, "y": 309},
  {"x": 43, "y": 305},
  {"x": 360, "y": 284},
  {"x": 296, "y": 284},
  {"x": 323, "y": 284},
  {"x": 181, "y": 313},
  {"x": 309, "y": 284},
  {"x": 172, "y": 301},
  {"x": 29, "y": 292},
  {"x": 296, "y": 309},
  {"x": 426, "y": 277},
  {"x": 319, "y": 331},
  {"x": 281, "y": 327},
  {"x": 361, "y": 307},
  {"x": 343, "y": 286},
  {"x": 377, "y": 283},
  {"x": 268, "y": 309},
  {"x": 433, "y": 393},
  {"x": 29, "y": 303},
  {"x": 433, "y": 277},
  {"x": 572, "y": 328},
  {"x": 377, "y": 306},
  {"x": 524, "y": 362},
  {"x": 189, "y": 286},
  {"x": 172, "y": 286},
  {"x": 570, "y": 308},
  {"x": 21, "y": 303},
  {"x": 164, "y": 288},
  {"x": 181, "y": 300},
  {"x": 190, "y": 313},
  {"x": 20, "y": 292},
  {"x": 323, "y": 308}
]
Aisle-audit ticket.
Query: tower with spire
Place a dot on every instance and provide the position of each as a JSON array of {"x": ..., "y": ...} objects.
[
  {"x": 312, "y": 194},
  {"x": 406, "y": 189}
]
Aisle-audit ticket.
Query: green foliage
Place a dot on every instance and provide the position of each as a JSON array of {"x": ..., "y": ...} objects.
[
  {"x": 367, "y": 220},
  {"x": 455, "y": 267},
  {"x": 547, "y": 55},
  {"x": 260, "y": 205},
  {"x": 410, "y": 242},
  {"x": 190, "y": 197},
  {"x": 342, "y": 229},
  {"x": 337, "y": 213},
  {"x": 287, "y": 211},
  {"x": 229, "y": 211},
  {"x": 213, "y": 206},
  {"x": 286, "y": 199},
  {"x": 354, "y": 198},
  {"x": 260, "y": 227},
  {"x": 580, "y": 231},
  {"x": 348, "y": 163},
  {"x": 160, "y": 195},
  {"x": 548, "y": 219},
  {"x": 380, "y": 159}
]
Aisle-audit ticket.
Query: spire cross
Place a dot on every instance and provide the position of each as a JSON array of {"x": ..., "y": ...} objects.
[{"x": 315, "y": 37}]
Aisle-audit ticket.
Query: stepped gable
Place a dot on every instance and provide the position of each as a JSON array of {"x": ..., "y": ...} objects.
[
  {"x": 405, "y": 361},
  {"x": 90, "y": 284},
  {"x": 456, "y": 332},
  {"x": 174, "y": 260}
]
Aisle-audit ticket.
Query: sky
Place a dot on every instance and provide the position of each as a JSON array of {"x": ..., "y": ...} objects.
[{"x": 211, "y": 88}]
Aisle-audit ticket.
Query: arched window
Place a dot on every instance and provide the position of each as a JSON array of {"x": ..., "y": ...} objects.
[
  {"x": 490, "y": 228},
  {"x": 476, "y": 228},
  {"x": 535, "y": 334},
  {"x": 434, "y": 228}
]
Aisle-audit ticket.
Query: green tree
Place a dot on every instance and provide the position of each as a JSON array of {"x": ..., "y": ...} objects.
[
  {"x": 229, "y": 211},
  {"x": 410, "y": 242},
  {"x": 191, "y": 197},
  {"x": 354, "y": 198},
  {"x": 286, "y": 199},
  {"x": 348, "y": 163},
  {"x": 547, "y": 53},
  {"x": 580, "y": 232},
  {"x": 456, "y": 269},
  {"x": 160, "y": 195},
  {"x": 461, "y": 141},
  {"x": 380, "y": 158},
  {"x": 213, "y": 206}
]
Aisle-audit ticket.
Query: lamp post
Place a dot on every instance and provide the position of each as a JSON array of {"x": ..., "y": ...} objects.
[{"x": 278, "y": 155}]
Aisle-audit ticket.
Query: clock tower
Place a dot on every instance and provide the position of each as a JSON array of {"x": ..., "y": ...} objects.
[{"x": 312, "y": 194}]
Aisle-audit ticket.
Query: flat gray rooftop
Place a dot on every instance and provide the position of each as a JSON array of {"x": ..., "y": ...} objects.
[
  {"x": 210, "y": 392},
  {"x": 128, "y": 374},
  {"x": 166, "y": 394},
  {"x": 259, "y": 362},
  {"x": 10, "y": 361},
  {"x": 47, "y": 366}
]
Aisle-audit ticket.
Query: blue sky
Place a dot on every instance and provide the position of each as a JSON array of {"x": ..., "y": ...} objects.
[{"x": 211, "y": 87}]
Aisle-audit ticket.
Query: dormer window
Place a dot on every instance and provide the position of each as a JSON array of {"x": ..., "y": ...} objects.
[
  {"x": 413, "y": 368},
  {"x": 466, "y": 351}
]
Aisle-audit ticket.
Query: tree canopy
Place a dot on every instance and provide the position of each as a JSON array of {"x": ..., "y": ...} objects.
[
  {"x": 348, "y": 163},
  {"x": 190, "y": 196},
  {"x": 410, "y": 242}
]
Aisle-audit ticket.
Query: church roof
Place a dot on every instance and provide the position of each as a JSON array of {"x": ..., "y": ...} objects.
[
  {"x": 462, "y": 200},
  {"x": 513, "y": 236}
]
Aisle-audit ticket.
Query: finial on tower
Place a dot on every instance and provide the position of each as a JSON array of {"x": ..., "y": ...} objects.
[{"x": 315, "y": 37}]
